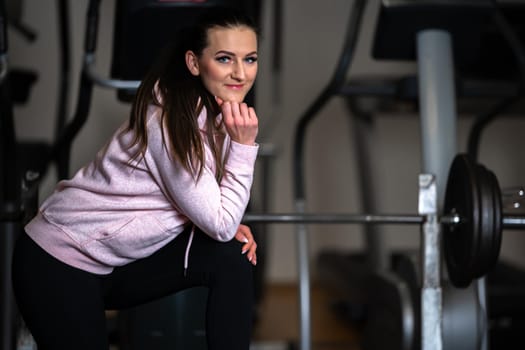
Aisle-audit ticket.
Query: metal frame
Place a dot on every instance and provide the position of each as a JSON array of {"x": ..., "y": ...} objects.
[
  {"x": 436, "y": 92},
  {"x": 89, "y": 67},
  {"x": 3, "y": 67},
  {"x": 509, "y": 221}
]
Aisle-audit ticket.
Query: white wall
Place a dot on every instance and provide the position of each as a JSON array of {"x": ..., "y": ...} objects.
[{"x": 313, "y": 35}]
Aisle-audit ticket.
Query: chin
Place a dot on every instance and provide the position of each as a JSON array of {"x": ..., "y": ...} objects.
[{"x": 235, "y": 98}]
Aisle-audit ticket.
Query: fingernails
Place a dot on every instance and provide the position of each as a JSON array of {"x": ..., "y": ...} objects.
[
  {"x": 245, "y": 240},
  {"x": 244, "y": 251}
]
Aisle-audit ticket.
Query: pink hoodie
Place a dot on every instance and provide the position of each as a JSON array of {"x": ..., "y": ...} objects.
[{"x": 113, "y": 212}]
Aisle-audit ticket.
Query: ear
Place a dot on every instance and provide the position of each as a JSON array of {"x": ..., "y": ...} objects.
[{"x": 192, "y": 63}]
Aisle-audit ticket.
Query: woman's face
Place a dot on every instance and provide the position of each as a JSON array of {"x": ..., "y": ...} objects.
[{"x": 228, "y": 65}]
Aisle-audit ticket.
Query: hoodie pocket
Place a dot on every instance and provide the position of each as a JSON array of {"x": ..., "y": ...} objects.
[{"x": 137, "y": 238}]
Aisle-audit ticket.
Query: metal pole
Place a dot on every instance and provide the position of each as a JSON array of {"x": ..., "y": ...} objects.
[
  {"x": 437, "y": 105},
  {"x": 514, "y": 222},
  {"x": 303, "y": 265},
  {"x": 438, "y": 136},
  {"x": 375, "y": 219},
  {"x": 431, "y": 293},
  {"x": 8, "y": 320}
]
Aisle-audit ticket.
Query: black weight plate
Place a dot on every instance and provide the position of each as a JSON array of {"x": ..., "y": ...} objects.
[
  {"x": 498, "y": 219},
  {"x": 460, "y": 242},
  {"x": 486, "y": 228}
]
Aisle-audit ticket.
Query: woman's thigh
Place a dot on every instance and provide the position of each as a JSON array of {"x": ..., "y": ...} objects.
[
  {"x": 61, "y": 305},
  {"x": 148, "y": 279},
  {"x": 163, "y": 273}
]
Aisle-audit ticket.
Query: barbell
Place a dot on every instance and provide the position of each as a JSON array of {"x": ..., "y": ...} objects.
[{"x": 472, "y": 220}]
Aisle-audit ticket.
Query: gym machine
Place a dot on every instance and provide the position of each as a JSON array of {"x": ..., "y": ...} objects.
[
  {"x": 472, "y": 224},
  {"x": 9, "y": 194},
  {"x": 435, "y": 314},
  {"x": 21, "y": 161}
]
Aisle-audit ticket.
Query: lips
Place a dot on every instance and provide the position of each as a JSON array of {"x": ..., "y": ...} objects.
[{"x": 235, "y": 86}]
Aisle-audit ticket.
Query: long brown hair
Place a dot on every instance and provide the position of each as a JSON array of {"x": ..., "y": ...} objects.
[{"x": 183, "y": 95}]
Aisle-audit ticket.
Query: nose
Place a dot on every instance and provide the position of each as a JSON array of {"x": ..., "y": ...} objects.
[{"x": 238, "y": 72}]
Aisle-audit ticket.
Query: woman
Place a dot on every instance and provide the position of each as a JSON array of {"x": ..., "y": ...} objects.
[{"x": 156, "y": 211}]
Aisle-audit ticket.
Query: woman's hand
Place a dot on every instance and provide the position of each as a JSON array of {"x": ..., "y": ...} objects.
[
  {"x": 240, "y": 120},
  {"x": 244, "y": 235}
]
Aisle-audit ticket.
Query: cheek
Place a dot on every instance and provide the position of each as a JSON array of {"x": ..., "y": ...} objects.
[
  {"x": 252, "y": 72},
  {"x": 212, "y": 73},
  {"x": 210, "y": 81}
]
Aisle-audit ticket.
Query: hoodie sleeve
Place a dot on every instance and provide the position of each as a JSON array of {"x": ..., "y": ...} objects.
[{"x": 216, "y": 208}]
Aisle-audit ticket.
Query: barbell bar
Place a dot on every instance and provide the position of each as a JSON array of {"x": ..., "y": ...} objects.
[
  {"x": 472, "y": 222},
  {"x": 508, "y": 221}
]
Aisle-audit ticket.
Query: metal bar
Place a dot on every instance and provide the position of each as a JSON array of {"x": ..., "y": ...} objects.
[
  {"x": 303, "y": 265},
  {"x": 377, "y": 219},
  {"x": 509, "y": 221},
  {"x": 301, "y": 237},
  {"x": 437, "y": 105},
  {"x": 89, "y": 62},
  {"x": 431, "y": 292},
  {"x": 438, "y": 122},
  {"x": 336, "y": 218},
  {"x": 64, "y": 72},
  {"x": 513, "y": 222},
  {"x": 3, "y": 28},
  {"x": 3, "y": 67},
  {"x": 331, "y": 90},
  {"x": 8, "y": 312}
]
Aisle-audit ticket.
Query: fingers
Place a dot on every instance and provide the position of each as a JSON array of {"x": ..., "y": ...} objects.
[
  {"x": 239, "y": 111},
  {"x": 245, "y": 235},
  {"x": 236, "y": 110},
  {"x": 250, "y": 250},
  {"x": 240, "y": 121},
  {"x": 243, "y": 109},
  {"x": 227, "y": 114},
  {"x": 251, "y": 112}
]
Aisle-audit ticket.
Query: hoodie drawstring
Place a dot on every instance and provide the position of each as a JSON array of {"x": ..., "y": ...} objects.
[{"x": 187, "y": 254}]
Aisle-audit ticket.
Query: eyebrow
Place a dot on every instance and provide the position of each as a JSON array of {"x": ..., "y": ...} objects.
[{"x": 233, "y": 54}]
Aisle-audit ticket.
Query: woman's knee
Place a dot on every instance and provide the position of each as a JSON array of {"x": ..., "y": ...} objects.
[
  {"x": 232, "y": 254},
  {"x": 224, "y": 259},
  {"x": 231, "y": 262}
]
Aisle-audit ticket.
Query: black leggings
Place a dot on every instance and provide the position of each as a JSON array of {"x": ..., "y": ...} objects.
[{"x": 63, "y": 307}]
